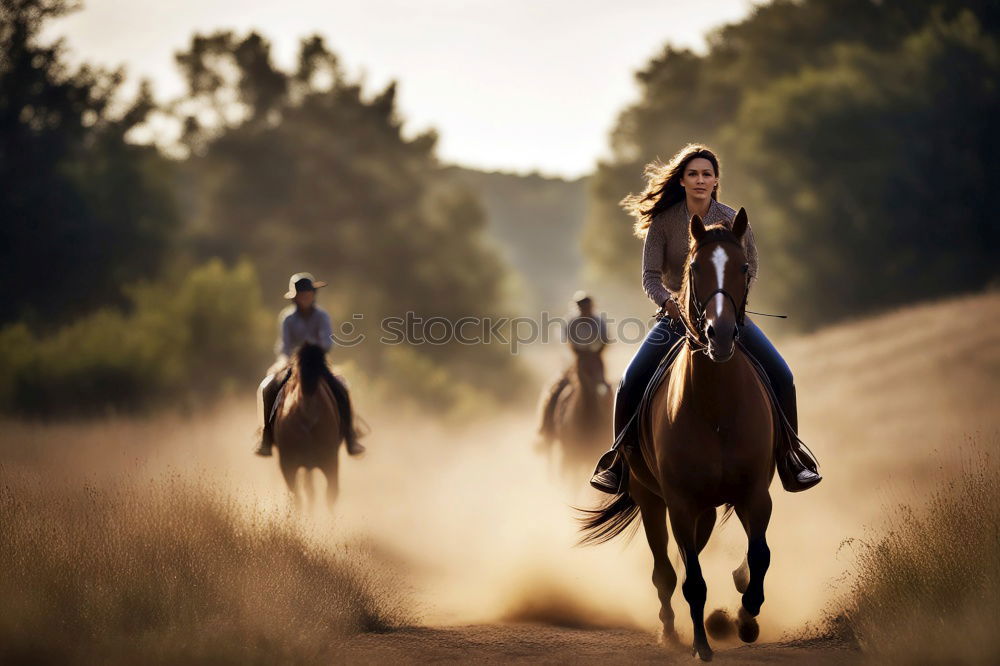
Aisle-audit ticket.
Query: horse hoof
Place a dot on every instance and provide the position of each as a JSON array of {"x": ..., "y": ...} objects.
[
  {"x": 669, "y": 639},
  {"x": 704, "y": 653},
  {"x": 747, "y": 627},
  {"x": 720, "y": 625}
]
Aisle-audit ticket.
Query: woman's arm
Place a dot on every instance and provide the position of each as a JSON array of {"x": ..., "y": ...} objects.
[{"x": 652, "y": 264}]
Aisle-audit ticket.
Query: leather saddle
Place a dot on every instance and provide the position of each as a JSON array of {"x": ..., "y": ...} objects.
[{"x": 786, "y": 436}]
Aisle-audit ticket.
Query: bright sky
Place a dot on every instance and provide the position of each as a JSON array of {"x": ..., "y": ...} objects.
[{"x": 514, "y": 85}]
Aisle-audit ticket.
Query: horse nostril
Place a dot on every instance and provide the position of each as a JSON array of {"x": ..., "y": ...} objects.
[{"x": 711, "y": 331}]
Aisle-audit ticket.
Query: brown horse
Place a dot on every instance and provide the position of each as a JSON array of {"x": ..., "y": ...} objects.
[
  {"x": 707, "y": 438},
  {"x": 581, "y": 418},
  {"x": 307, "y": 425}
]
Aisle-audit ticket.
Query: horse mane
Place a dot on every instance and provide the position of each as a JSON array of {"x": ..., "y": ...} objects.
[
  {"x": 713, "y": 234},
  {"x": 309, "y": 366}
]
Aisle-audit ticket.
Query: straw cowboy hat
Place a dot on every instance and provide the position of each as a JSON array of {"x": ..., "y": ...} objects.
[{"x": 302, "y": 282}]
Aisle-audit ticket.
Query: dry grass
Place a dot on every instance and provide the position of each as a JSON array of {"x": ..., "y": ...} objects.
[
  {"x": 926, "y": 588},
  {"x": 169, "y": 571}
]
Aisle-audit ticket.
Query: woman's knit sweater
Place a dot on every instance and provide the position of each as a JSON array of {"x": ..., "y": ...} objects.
[{"x": 666, "y": 248}]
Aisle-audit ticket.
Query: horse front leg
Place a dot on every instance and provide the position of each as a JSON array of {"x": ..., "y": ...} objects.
[
  {"x": 288, "y": 472},
  {"x": 654, "y": 522},
  {"x": 685, "y": 525},
  {"x": 330, "y": 471},
  {"x": 755, "y": 516},
  {"x": 309, "y": 489}
]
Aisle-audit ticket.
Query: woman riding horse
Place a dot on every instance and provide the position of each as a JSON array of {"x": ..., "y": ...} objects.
[
  {"x": 687, "y": 186},
  {"x": 708, "y": 432},
  {"x": 303, "y": 322}
]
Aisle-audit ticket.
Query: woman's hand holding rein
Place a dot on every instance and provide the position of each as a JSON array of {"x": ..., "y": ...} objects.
[{"x": 668, "y": 309}]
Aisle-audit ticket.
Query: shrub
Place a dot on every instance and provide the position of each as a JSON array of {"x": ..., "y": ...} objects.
[
  {"x": 170, "y": 572},
  {"x": 928, "y": 588},
  {"x": 201, "y": 333}
]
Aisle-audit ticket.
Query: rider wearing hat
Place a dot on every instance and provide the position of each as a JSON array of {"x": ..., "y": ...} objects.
[
  {"x": 303, "y": 321},
  {"x": 587, "y": 333}
]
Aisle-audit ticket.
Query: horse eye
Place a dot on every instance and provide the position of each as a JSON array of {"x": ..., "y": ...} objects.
[{"x": 746, "y": 267}]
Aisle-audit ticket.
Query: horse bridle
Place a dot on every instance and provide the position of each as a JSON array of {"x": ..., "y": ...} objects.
[{"x": 697, "y": 334}]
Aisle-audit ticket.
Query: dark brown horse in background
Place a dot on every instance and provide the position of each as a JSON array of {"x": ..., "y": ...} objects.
[
  {"x": 581, "y": 419},
  {"x": 707, "y": 438},
  {"x": 307, "y": 429}
]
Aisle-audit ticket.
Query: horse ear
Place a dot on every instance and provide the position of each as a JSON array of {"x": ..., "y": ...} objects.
[
  {"x": 697, "y": 227},
  {"x": 740, "y": 223}
]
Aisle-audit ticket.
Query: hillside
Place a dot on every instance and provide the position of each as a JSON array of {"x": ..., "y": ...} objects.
[{"x": 536, "y": 221}]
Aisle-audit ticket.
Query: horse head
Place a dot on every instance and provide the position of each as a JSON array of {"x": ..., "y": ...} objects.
[{"x": 716, "y": 285}]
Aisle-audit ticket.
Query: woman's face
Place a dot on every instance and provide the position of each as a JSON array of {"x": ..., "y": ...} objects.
[
  {"x": 699, "y": 178},
  {"x": 305, "y": 299}
]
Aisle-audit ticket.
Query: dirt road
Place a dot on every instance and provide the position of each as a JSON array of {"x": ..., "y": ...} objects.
[{"x": 524, "y": 643}]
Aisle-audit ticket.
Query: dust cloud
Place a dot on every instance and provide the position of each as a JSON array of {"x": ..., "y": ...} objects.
[{"x": 479, "y": 527}]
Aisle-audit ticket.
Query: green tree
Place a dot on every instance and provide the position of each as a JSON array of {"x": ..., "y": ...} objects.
[
  {"x": 836, "y": 121},
  {"x": 882, "y": 164},
  {"x": 82, "y": 211},
  {"x": 301, "y": 170}
]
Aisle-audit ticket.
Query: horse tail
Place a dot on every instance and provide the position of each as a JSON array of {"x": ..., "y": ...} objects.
[{"x": 607, "y": 521}]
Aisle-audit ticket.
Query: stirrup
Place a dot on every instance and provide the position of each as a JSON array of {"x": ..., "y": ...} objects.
[
  {"x": 606, "y": 481},
  {"x": 607, "y": 476},
  {"x": 804, "y": 479},
  {"x": 797, "y": 477}
]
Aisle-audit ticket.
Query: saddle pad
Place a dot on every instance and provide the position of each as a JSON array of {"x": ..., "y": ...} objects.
[{"x": 279, "y": 397}]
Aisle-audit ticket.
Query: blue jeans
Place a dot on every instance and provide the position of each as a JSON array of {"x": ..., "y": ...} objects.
[{"x": 664, "y": 334}]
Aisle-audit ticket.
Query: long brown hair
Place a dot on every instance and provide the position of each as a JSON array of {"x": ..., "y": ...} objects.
[{"x": 663, "y": 186}]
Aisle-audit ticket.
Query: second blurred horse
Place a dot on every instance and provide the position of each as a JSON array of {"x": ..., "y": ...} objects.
[
  {"x": 307, "y": 428},
  {"x": 577, "y": 409}
]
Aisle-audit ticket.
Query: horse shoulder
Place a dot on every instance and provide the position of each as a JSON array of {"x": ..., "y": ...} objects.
[
  {"x": 756, "y": 399},
  {"x": 288, "y": 400}
]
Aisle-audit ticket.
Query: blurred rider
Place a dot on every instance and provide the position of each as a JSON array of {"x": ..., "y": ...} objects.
[
  {"x": 303, "y": 321},
  {"x": 587, "y": 334}
]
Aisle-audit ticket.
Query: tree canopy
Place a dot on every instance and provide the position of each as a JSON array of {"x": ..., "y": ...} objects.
[
  {"x": 82, "y": 211},
  {"x": 301, "y": 170},
  {"x": 276, "y": 172},
  {"x": 859, "y": 135}
]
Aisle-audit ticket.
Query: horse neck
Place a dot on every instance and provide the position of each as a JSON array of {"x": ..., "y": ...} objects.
[
  {"x": 307, "y": 381},
  {"x": 309, "y": 373},
  {"x": 309, "y": 392},
  {"x": 712, "y": 382},
  {"x": 588, "y": 372}
]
